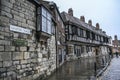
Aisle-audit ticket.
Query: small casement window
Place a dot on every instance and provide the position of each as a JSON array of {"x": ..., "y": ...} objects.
[
  {"x": 46, "y": 21},
  {"x": 70, "y": 29}
]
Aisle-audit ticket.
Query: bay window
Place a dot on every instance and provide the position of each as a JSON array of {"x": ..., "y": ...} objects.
[{"x": 46, "y": 21}]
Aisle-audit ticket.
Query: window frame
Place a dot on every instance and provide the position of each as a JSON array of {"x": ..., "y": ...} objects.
[{"x": 46, "y": 25}]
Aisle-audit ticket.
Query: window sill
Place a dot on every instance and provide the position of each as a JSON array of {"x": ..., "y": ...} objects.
[{"x": 43, "y": 36}]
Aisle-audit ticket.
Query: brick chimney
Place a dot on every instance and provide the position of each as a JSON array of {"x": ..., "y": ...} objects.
[
  {"x": 90, "y": 22},
  {"x": 115, "y": 37},
  {"x": 82, "y": 18},
  {"x": 104, "y": 32},
  {"x": 70, "y": 11},
  {"x": 97, "y": 26}
]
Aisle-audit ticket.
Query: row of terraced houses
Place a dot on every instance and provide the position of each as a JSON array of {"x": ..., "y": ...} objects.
[{"x": 36, "y": 39}]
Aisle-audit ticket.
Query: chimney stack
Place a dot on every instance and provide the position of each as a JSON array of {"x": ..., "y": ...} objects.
[
  {"x": 90, "y": 22},
  {"x": 115, "y": 37},
  {"x": 82, "y": 18},
  {"x": 70, "y": 11},
  {"x": 97, "y": 26},
  {"x": 104, "y": 32}
]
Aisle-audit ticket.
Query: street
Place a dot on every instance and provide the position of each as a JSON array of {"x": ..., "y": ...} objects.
[
  {"x": 82, "y": 69},
  {"x": 113, "y": 71}
]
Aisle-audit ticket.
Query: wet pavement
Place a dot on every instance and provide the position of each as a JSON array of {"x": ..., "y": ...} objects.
[
  {"x": 113, "y": 71},
  {"x": 82, "y": 69}
]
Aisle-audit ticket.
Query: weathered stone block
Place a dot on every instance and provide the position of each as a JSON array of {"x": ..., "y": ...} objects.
[
  {"x": 40, "y": 55},
  {"x": 7, "y": 63},
  {"x": 15, "y": 35},
  {"x": 30, "y": 23},
  {"x": 5, "y": 56},
  {"x": 3, "y": 69},
  {"x": 39, "y": 59},
  {"x": 31, "y": 48},
  {"x": 10, "y": 73},
  {"x": 4, "y": 19},
  {"x": 18, "y": 67},
  {"x": 32, "y": 27},
  {"x": 1, "y": 64},
  {"x": 33, "y": 55},
  {"x": 23, "y": 66},
  {"x": 17, "y": 18},
  {"x": 7, "y": 78},
  {"x": 26, "y": 55},
  {"x": 6, "y": 34},
  {"x": 12, "y": 1},
  {"x": 6, "y": 3},
  {"x": 16, "y": 62},
  {"x": 11, "y": 68},
  {"x": 14, "y": 22},
  {"x": 9, "y": 48},
  {"x": 24, "y": 20},
  {"x": 3, "y": 13},
  {"x": 21, "y": 15},
  {"x": 34, "y": 60},
  {"x": 1, "y": 48},
  {"x": 1, "y": 37},
  {"x": 23, "y": 61},
  {"x": 24, "y": 25},
  {"x": 28, "y": 65},
  {"x": 4, "y": 42},
  {"x": 19, "y": 23},
  {"x": 17, "y": 55},
  {"x": 23, "y": 48},
  {"x": 4, "y": 8},
  {"x": 14, "y": 12}
]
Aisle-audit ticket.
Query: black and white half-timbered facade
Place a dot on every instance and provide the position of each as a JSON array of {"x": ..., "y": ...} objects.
[{"x": 83, "y": 39}]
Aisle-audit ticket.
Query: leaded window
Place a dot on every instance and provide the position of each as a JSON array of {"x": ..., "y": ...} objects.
[{"x": 46, "y": 21}]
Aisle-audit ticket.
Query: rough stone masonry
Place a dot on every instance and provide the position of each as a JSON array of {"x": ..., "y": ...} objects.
[{"x": 22, "y": 57}]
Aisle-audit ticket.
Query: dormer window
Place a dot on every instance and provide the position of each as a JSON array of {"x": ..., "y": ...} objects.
[{"x": 46, "y": 21}]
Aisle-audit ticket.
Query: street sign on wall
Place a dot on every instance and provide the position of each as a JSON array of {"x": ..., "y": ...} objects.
[{"x": 20, "y": 29}]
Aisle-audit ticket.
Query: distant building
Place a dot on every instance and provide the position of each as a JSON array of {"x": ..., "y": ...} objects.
[
  {"x": 83, "y": 39},
  {"x": 116, "y": 44}
]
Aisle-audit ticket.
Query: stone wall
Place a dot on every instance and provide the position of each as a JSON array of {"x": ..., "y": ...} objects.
[{"x": 22, "y": 57}]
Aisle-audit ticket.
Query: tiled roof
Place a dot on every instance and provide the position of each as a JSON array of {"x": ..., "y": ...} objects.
[{"x": 67, "y": 17}]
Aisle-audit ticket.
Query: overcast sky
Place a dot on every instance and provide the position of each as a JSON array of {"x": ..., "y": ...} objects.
[{"x": 105, "y": 12}]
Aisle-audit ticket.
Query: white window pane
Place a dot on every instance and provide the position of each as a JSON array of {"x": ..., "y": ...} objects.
[
  {"x": 43, "y": 28},
  {"x": 49, "y": 26},
  {"x": 48, "y": 16},
  {"x": 44, "y": 24},
  {"x": 44, "y": 11},
  {"x": 43, "y": 19}
]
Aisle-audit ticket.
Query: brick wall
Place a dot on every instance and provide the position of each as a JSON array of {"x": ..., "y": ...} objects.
[{"x": 22, "y": 57}]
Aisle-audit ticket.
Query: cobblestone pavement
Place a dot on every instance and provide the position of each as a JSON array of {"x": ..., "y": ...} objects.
[{"x": 113, "y": 71}]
